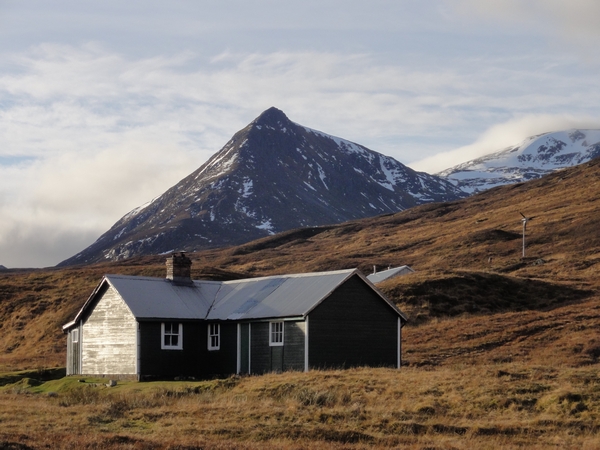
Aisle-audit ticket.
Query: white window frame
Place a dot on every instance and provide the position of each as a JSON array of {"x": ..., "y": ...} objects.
[
  {"x": 214, "y": 336},
  {"x": 75, "y": 336},
  {"x": 276, "y": 335},
  {"x": 164, "y": 333}
]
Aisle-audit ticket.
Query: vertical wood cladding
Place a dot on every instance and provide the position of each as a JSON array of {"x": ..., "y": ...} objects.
[
  {"x": 244, "y": 348},
  {"x": 108, "y": 338},
  {"x": 293, "y": 347},
  {"x": 353, "y": 327},
  {"x": 265, "y": 358},
  {"x": 71, "y": 364},
  {"x": 224, "y": 360},
  {"x": 158, "y": 363},
  {"x": 74, "y": 351},
  {"x": 277, "y": 358},
  {"x": 260, "y": 358},
  {"x": 194, "y": 359}
]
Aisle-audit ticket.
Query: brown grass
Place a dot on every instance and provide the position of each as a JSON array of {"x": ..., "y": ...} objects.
[
  {"x": 500, "y": 354},
  {"x": 492, "y": 406}
]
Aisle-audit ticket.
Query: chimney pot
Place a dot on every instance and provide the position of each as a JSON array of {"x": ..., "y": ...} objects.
[{"x": 179, "y": 269}]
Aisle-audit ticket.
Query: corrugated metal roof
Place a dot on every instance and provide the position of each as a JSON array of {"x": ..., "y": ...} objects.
[
  {"x": 385, "y": 274},
  {"x": 277, "y": 296},
  {"x": 159, "y": 298},
  {"x": 256, "y": 298}
]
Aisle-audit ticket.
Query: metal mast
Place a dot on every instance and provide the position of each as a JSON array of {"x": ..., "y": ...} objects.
[{"x": 524, "y": 220}]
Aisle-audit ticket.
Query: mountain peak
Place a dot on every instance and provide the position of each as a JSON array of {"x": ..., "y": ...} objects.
[
  {"x": 272, "y": 117},
  {"x": 273, "y": 175}
]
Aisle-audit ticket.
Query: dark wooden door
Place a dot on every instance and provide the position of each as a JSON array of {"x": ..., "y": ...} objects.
[
  {"x": 244, "y": 348},
  {"x": 277, "y": 359}
]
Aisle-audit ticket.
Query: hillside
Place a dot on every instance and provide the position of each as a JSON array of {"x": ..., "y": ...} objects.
[{"x": 462, "y": 307}]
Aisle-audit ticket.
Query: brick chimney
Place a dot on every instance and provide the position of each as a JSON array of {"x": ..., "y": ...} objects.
[{"x": 179, "y": 268}]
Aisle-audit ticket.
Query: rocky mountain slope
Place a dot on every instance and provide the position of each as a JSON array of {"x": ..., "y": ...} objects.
[
  {"x": 533, "y": 158},
  {"x": 273, "y": 175}
]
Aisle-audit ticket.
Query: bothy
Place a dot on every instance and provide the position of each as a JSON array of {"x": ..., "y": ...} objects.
[{"x": 150, "y": 328}]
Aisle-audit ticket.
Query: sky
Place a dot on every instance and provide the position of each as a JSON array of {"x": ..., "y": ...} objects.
[{"x": 105, "y": 105}]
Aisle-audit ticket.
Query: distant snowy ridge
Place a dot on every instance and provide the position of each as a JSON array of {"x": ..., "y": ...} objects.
[{"x": 533, "y": 158}]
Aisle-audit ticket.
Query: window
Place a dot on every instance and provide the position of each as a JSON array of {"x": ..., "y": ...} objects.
[
  {"x": 276, "y": 333},
  {"x": 172, "y": 336},
  {"x": 75, "y": 336},
  {"x": 214, "y": 336}
]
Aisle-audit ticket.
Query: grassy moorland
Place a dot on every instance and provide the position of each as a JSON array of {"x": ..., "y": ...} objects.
[
  {"x": 458, "y": 407},
  {"x": 500, "y": 352}
]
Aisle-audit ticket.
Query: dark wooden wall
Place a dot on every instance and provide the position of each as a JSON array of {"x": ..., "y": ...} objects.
[
  {"x": 194, "y": 359},
  {"x": 353, "y": 327},
  {"x": 245, "y": 348},
  {"x": 265, "y": 358},
  {"x": 260, "y": 352},
  {"x": 156, "y": 363},
  {"x": 224, "y": 360},
  {"x": 293, "y": 346}
]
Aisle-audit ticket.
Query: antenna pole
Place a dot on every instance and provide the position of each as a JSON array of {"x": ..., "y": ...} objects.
[
  {"x": 525, "y": 219},
  {"x": 524, "y": 225}
]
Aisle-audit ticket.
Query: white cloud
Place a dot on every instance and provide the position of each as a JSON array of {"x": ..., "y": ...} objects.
[
  {"x": 574, "y": 22},
  {"x": 56, "y": 206},
  {"x": 580, "y": 14}
]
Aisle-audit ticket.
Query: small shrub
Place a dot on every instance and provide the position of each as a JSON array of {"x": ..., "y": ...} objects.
[
  {"x": 426, "y": 410},
  {"x": 80, "y": 395},
  {"x": 117, "y": 408},
  {"x": 310, "y": 397}
]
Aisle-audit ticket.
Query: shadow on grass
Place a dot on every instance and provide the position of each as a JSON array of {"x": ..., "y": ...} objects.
[
  {"x": 480, "y": 293},
  {"x": 38, "y": 375}
]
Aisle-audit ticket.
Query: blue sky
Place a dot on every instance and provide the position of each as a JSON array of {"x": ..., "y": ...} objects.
[{"x": 105, "y": 105}]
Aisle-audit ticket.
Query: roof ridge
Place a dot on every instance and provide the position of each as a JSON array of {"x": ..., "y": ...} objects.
[
  {"x": 137, "y": 277},
  {"x": 294, "y": 275},
  {"x": 288, "y": 275}
]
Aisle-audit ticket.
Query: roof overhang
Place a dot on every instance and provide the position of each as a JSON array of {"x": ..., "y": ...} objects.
[
  {"x": 66, "y": 327},
  {"x": 371, "y": 285},
  {"x": 384, "y": 298}
]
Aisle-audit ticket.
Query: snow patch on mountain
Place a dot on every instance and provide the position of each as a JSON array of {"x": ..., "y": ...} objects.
[
  {"x": 533, "y": 158},
  {"x": 246, "y": 190},
  {"x": 266, "y": 225},
  {"x": 343, "y": 144}
]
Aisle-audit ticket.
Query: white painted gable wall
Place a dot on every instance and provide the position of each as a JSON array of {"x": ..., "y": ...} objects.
[{"x": 109, "y": 338}]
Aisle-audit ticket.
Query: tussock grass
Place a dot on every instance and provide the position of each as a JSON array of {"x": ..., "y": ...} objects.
[{"x": 491, "y": 406}]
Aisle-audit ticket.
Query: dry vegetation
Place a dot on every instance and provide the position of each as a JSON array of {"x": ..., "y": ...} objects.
[
  {"x": 460, "y": 407},
  {"x": 500, "y": 354}
]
